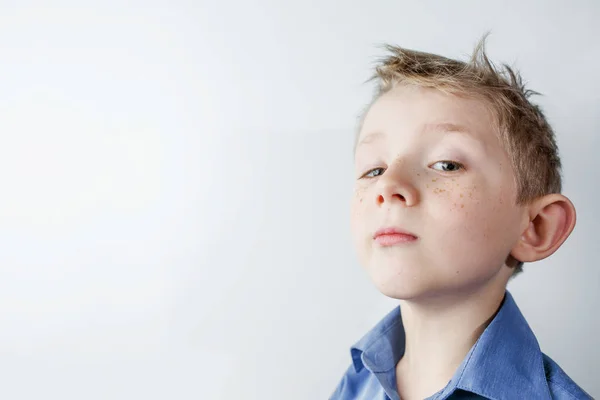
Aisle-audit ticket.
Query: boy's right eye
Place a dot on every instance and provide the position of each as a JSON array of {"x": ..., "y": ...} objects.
[{"x": 373, "y": 173}]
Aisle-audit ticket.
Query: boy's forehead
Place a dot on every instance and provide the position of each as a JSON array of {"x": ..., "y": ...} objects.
[{"x": 426, "y": 110}]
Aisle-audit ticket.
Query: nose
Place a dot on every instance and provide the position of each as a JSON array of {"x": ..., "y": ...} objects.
[{"x": 395, "y": 187}]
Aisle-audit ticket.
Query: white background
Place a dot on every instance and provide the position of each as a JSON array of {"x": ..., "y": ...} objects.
[{"x": 175, "y": 181}]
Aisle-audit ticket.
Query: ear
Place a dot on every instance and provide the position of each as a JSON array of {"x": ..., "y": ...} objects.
[{"x": 551, "y": 221}]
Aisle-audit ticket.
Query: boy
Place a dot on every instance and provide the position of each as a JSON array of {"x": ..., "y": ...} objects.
[{"x": 457, "y": 185}]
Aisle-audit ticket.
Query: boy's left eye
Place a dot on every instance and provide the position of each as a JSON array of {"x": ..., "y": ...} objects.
[{"x": 447, "y": 166}]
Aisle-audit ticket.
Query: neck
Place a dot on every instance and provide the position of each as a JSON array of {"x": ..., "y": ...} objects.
[{"x": 439, "y": 333}]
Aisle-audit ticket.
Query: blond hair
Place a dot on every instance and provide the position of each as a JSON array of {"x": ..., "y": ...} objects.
[{"x": 521, "y": 125}]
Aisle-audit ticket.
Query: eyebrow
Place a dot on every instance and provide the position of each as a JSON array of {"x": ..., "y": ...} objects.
[
  {"x": 370, "y": 138},
  {"x": 431, "y": 127},
  {"x": 445, "y": 127}
]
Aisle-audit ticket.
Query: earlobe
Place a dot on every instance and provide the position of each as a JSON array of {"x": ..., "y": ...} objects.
[{"x": 551, "y": 221}]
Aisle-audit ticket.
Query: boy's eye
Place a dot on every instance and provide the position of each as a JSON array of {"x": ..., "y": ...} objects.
[
  {"x": 447, "y": 166},
  {"x": 373, "y": 173}
]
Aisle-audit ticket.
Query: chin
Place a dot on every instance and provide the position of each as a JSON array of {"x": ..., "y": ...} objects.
[
  {"x": 398, "y": 293},
  {"x": 412, "y": 284},
  {"x": 401, "y": 291},
  {"x": 400, "y": 283}
]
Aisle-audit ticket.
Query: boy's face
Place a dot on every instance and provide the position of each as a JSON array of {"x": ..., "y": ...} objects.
[{"x": 430, "y": 164}]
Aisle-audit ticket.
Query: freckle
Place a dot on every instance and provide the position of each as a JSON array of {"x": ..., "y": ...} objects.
[
  {"x": 462, "y": 206},
  {"x": 434, "y": 180},
  {"x": 453, "y": 179},
  {"x": 457, "y": 272},
  {"x": 461, "y": 195},
  {"x": 427, "y": 185},
  {"x": 418, "y": 174}
]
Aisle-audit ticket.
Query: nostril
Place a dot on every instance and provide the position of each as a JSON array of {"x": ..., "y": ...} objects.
[{"x": 381, "y": 198}]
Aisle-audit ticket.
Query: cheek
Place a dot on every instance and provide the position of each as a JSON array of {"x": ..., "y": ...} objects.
[
  {"x": 357, "y": 208},
  {"x": 358, "y": 221},
  {"x": 452, "y": 198},
  {"x": 461, "y": 208},
  {"x": 359, "y": 198},
  {"x": 470, "y": 214}
]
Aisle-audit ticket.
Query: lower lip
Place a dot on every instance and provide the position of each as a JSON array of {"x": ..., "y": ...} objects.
[{"x": 394, "y": 238}]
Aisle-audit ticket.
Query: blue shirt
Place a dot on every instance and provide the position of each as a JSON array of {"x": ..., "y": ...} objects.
[{"x": 505, "y": 363}]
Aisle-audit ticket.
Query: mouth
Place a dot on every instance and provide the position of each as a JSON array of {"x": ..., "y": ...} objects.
[{"x": 393, "y": 236}]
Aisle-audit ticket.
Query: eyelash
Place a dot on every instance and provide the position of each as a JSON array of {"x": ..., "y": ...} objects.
[
  {"x": 459, "y": 167},
  {"x": 368, "y": 172}
]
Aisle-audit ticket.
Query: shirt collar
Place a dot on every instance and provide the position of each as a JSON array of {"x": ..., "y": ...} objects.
[
  {"x": 382, "y": 347},
  {"x": 505, "y": 362}
]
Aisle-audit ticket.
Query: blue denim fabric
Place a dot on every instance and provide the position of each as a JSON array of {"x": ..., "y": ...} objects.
[{"x": 505, "y": 363}]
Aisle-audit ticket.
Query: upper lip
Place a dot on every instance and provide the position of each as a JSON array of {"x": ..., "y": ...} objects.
[{"x": 392, "y": 231}]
